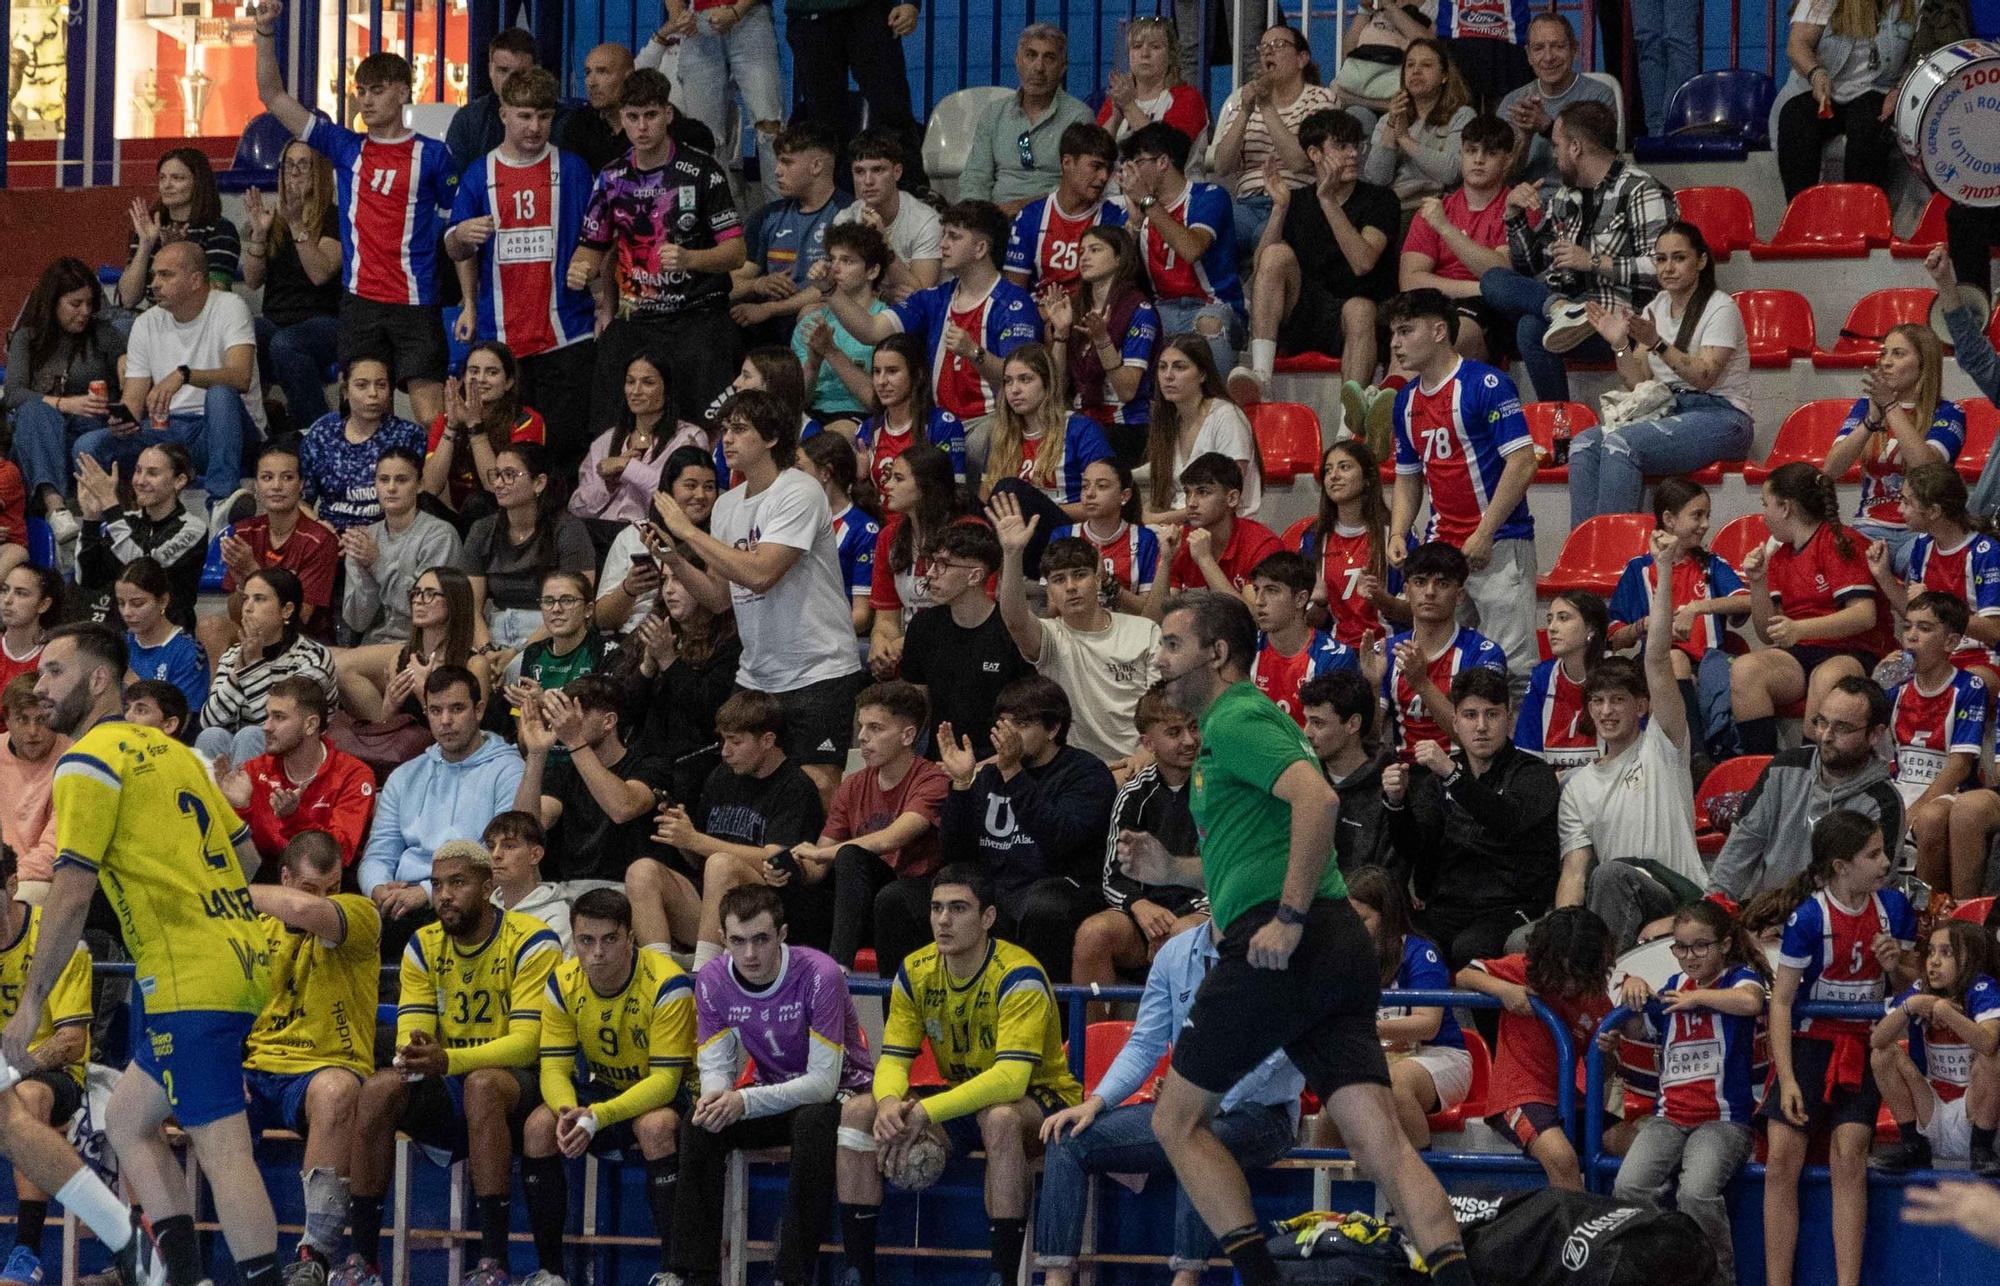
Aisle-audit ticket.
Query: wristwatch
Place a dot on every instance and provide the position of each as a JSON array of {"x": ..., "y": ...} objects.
[
  {"x": 1660, "y": 346},
  {"x": 1289, "y": 915},
  {"x": 1147, "y": 202},
  {"x": 187, "y": 376}
]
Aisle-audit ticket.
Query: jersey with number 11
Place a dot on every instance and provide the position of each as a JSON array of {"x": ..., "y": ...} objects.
[{"x": 393, "y": 198}]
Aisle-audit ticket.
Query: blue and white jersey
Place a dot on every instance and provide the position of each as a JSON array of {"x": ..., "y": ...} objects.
[
  {"x": 1971, "y": 570},
  {"x": 1710, "y": 576},
  {"x": 1210, "y": 279},
  {"x": 1458, "y": 437},
  {"x": 1928, "y": 728},
  {"x": 393, "y": 199},
  {"x": 1423, "y": 969},
  {"x": 524, "y": 297},
  {"x": 942, "y": 430},
  {"x": 855, "y": 534},
  {"x": 1551, "y": 721},
  {"x": 1003, "y": 319},
  {"x": 1045, "y": 240},
  {"x": 1707, "y": 1057},
  {"x": 1083, "y": 443}
]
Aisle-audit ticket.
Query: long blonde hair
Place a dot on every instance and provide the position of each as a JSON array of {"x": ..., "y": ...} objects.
[
  {"x": 1930, "y": 381},
  {"x": 319, "y": 195},
  {"x": 1859, "y": 19},
  {"x": 1050, "y": 422}
]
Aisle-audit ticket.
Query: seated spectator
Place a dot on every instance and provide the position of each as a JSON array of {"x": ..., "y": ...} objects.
[
  {"x": 155, "y": 646},
  {"x": 839, "y": 387},
  {"x": 1152, "y": 883},
  {"x": 1357, "y": 587},
  {"x": 1112, "y": 524},
  {"x": 299, "y": 782},
  {"x": 1340, "y": 709},
  {"x": 154, "y": 703},
  {"x": 1324, "y": 263},
  {"x": 1101, "y": 659},
  {"x": 629, "y": 583},
  {"x": 726, "y": 53},
  {"x": 29, "y": 750},
  {"x": 875, "y": 162},
  {"x": 787, "y": 238},
  {"x": 900, "y": 387},
  {"x": 157, "y": 525},
  {"x": 1900, "y": 422},
  {"x": 1937, "y": 1090},
  {"x": 340, "y": 454},
  {"x": 1015, "y": 154},
  {"x": 830, "y": 459},
  {"x": 1938, "y": 721},
  {"x": 920, "y": 501},
  {"x": 13, "y": 510},
  {"x": 1103, "y": 338},
  {"x": 477, "y": 128},
  {"x": 1193, "y": 416},
  {"x": 384, "y": 558},
  {"x": 1414, "y": 150},
  {"x": 186, "y": 207},
  {"x": 1039, "y": 448},
  {"x": 62, "y": 380},
  {"x": 190, "y": 378},
  {"x": 1187, "y": 239},
  {"x": 1690, "y": 338},
  {"x": 626, "y": 463},
  {"x": 31, "y": 604},
  {"x": 1290, "y": 652},
  {"x": 1950, "y": 555},
  {"x": 279, "y": 534},
  {"x": 506, "y": 554},
  {"x": 386, "y": 680},
  {"x": 293, "y": 256},
  {"x": 1594, "y": 244},
  {"x": 1845, "y": 60},
  {"x": 1813, "y": 599},
  {"x": 1840, "y": 766},
  {"x": 483, "y": 414},
  {"x": 958, "y": 651},
  {"x": 1419, "y": 665},
  {"x": 753, "y": 810},
  {"x": 1455, "y": 240},
  {"x": 1259, "y": 122},
  {"x": 271, "y": 648},
  {"x": 1151, "y": 87},
  {"x": 518, "y": 845},
  {"x": 1477, "y": 826},
  {"x": 1370, "y": 68},
  {"x": 595, "y": 800},
  {"x": 450, "y": 792},
  {"x": 567, "y": 646},
  {"x": 1531, "y": 110},
  {"x": 685, "y": 659},
  {"x": 1218, "y": 550},
  {"x": 1042, "y": 250},
  {"x": 1553, "y": 722}
]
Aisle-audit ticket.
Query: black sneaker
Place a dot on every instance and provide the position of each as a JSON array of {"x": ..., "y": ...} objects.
[
  {"x": 1984, "y": 1161},
  {"x": 139, "y": 1263},
  {"x": 1901, "y": 1157}
]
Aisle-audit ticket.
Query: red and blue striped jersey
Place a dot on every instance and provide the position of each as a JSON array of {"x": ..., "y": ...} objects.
[
  {"x": 942, "y": 430},
  {"x": 1549, "y": 725},
  {"x": 1882, "y": 477},
  {"x": 855, "y": 534},
  {"x": 1971, "y": 570},
  {"x": 1707, "y": 1058},
  {"x": 537, "y": 208},
  {"x": 1280, "y": 677},
  {"x": 1941, "y": 1053},
  {"x": 1930, "y": 727},
  {"x": 394, "y": 197},
  {"x": 1458, "y": 436},
  {"x": 1210, "y": 279},
  {"x": 1834, "y": 948},
  {"x": 1131, "y": 555},
  {"x": 1045, "y": 239},
  {"x": 1468, "y": 648},
  {"x": 1083, "y": 442},
  {"x": 1000, "y": 321},
  {"x": 1709, "y": 576}
]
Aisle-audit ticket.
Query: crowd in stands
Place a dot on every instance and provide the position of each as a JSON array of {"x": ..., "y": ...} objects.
[{"x": 768, "y": 590}]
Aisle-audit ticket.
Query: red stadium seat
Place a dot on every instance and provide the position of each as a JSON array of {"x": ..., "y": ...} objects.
[
  {"x": 1294, "y": 536},
  {"x": 1876, "y": 314},
  {"x": 1306, "y": 364},
  {"x": 1982, "y": 426},
  {"x": 1723, "y": 215},
  {"x": 1807, "y": 434},
  {"x": 1541, "y": 417},
  {"x": 1928, "y": 232},
  {"x": 864, "y": 961},
  {"x": 1101, "y": 1043},
  {"x": 1595, "y": 554},
  {"x": 1779, "y": 324},
  {"x": 1973, "y": 909},
  {"x": 1474, "y": 1106},
  {"x": 1287, "y": 438},
  {"x": 1739, "y": 773},
  {"x": 1738, "y": 537},
  {"x": 1831, "y": 221}
]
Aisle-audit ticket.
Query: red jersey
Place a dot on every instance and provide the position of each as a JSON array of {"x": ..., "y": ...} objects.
[
  {"x": 524, "y": 213},
  {"x": 1818, "y": 580},
  {"x": 1343, "y": 563},
  {"x": 528, "y": 428},
  {"x": 960, "y": 388},
  {"x": 1129, "y": 555},
  {"x": 311, "y": 552},
  {"x": 1250, "y": 542},
  {"x": 12, "y": 666},
  {"x": 1467, "y": 648},
  {"x": 1280, "y": 677},
  {"x": 1833, "y": 949},
  {"x": 338, "y": 800},
  {"x": 1524, "y": 1067}
]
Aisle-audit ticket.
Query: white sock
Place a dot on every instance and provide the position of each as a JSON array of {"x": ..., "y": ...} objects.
[
  {"x": 99, "y": 1208},
  {"x": 1263, "y": 355},
  {"x": 705, "y": 952}
]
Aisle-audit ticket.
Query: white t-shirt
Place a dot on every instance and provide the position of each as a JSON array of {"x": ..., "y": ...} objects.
[
  {"x": 617, "y": 566},
  {"x": 1225, "y": 429},
  {"x": 1638, "y": 804},
  {"x": 1721, "y": 326},
  {"x": 159, "y": 344},
  {"x": 1105, "y": 673},
  {"x": 801, "y": 630},
  {"x": 914, "y": 233},
  {"x": 1854, "y": 77}
]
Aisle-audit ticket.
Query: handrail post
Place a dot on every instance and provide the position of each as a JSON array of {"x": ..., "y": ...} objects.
[
  {"x": 1565, "y": 1059},
  {"x": 1593, "y": 1092}
]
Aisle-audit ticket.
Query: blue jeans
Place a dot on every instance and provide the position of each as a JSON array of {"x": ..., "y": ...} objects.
[
  {"x": 1180, "y": 315},
  {"x": 1120, "y": 1141},
  {"x": 295, "y": 359},
  {"x": 1666, "y": 53},
  {"x": 45, "y": 445},
  {"x": 214, "y": 439},
  {"x": 1900, "y": 540},
  {"x": 1249, "y": 214},
  {"x": 1522, "y": 299},
  {"x": 743, "y": 60},
  {"x": 1607, "y": 471},
  {"x": 238, "y": 747}
]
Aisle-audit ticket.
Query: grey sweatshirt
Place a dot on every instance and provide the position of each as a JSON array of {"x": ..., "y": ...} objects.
[
  {"x": 1771, "y": 843},
  {"x": 376, "y": 604}
]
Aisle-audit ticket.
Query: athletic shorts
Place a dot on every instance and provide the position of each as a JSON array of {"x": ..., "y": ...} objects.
[
  {"x": 1313, "y": 325},
  {"x": 278, "y": 1099},
  {"x": 1175, "y": 898},
  {"x": 619, "y": 1139},
  {"x": 1526, "y": 1123},
  {"x": 1949, "y": 1130},
  {"x": 819, "y": 720},
  {"x": 434, "y": 1112},
  {"x": 1450, "y": 1068},
  {"x": 1810, "y": 655},
  {"x": 1811, "y": 1057},
  {"x": 68, "y": 1095},
  {"x": 963, "y": 1131},
  {"x": 409, "y": 337},
  {"x": 1319, "y": 1009},
  {"x": 196, "y": 1056}
]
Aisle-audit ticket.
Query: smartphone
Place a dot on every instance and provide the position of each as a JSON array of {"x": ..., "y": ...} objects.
[
  {"x": 784, "y": 860},
  {"x": 641, "y": 560},
  {"x": 119, "y": 413}
]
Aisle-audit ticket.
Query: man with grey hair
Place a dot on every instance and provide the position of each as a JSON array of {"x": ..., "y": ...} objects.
[{"x": 1016, "y": 153}]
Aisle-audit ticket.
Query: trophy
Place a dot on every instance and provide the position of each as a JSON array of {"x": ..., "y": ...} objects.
[
  {"x": 196, "y": 86},
  {"x": 146, "y": 101}
]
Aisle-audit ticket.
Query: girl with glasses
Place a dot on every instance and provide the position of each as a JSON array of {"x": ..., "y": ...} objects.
[
  {"x": 569, "y": 645},
  {"x": 507, "y": 554},
  {"x": 1261, "y": 120},
  {"x": 383, "y": 680}
]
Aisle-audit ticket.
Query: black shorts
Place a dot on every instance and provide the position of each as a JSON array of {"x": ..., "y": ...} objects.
[
  {"x": 619, "y": 1139},
  {"x": 1809, "y": 656},
  {"x": 1313, "y": 325},
  {"x": 1319, "y": 1009},
  {"x": 1499, "y": 333},
  {"x": 434, "y": 1112},
  {"x": 1811, "y": 1063},
  {"x": 1178, "y": 899},
  {"x": 409, "y": 337},
  {"x": 67, "y": 1093},
  {"x": 819, "y": 720}
]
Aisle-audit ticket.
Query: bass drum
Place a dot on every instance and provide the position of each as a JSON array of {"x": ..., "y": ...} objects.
[
  {"x": 1948, "y": 121},
  {"x": 1654, "y": 961}
]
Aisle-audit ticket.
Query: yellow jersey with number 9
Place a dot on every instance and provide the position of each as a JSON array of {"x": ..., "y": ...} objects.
[{"x": 136, "y": 807}]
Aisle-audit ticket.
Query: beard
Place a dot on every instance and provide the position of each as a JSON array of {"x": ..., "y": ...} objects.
[{"x": 67, "y": 712}]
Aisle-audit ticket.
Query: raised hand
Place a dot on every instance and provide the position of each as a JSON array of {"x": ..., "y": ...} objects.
[
  {"x": 1524, "y": 197},
  {"x": 1004, "y": 512},
  {"x": 537, "y": 736},
  {"x": 145, "y": 222},
  {"x": 955, "y": 753},
  {"x": 261, "y": 216},
  {"x": 1374, "y": 658}
]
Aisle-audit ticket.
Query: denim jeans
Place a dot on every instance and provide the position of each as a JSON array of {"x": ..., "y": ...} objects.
[
  {"x": 743, "y": 60},
  {"x": 1181, "y": 315},
  {"x": 45, "y": 446},
  {"x": 238, "y": 747},
  {"x": 1900, "y": 540},
  {"x": 1666, "y": 53},
  {"x": 1120, "y": 1141},
  {"x": 213, "y": 438},
  {"x": 1521, "y": 299},
  {"x": 1607, "y": 471},
  {"x": 295, "y": 359},
  {"x": 1249, "y": 214},
  {"x": 1705, "y": 1157}
]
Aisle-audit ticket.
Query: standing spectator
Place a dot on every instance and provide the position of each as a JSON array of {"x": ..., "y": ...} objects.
[
  {"x": 1594, "y": 244},
  {"x": 60, "y": 348},
  {"x": 156, "y": 648},
  {"x": 271, "y": 648},
  {"x": 395, "y": 193},
  {"x": 483, "y": 414},
  {"x": 671, "y": 272},
  {"x": 1485, "y": 39},
  {"x": 787, "y": 238},
  {"x": 293, "y": 255},
  {"x": 1324, "y": 264},
  {"x": 958, "y": 651},
  {"x": 1531, "y": 110},
  {"x": 340, "y": 454},
  {"x": 1415, "y": 146},
  {"x": 1152, "y": 87},
  {"x": 280, "y": 534},
  {"x": 1357, "y": 586},
  {"x": 479, "y": 127},
  {"x": 157, "y": 525},
  {"x": 837, "y": 379},
  {"x": 1416, "y": 668},
  {"x": 1667, "y": 49},
  {"x": 1103, "y": 338},
  {"x": 1189, "y": 238},
  {"x": 594, "y": 130},
  {"x": 1192, "y": 417},
  {"x": 1290, "y": 652},
  {"x": 29, "y": 750},
  {"x": 1846, "y": 57},
  {"x": 595, "y": 801},
  {"x": 1015, "y": 153},
  {"x": 187, "y": 208},
  {"x": 1044, "y": 247},
  {"x": 299, "y": 782},
  {"x": 875, "y": 163},
  {"x": 1901, "y": 422},
  {"x": 833, "y": 39},
  {"x": 730, "y": 51},
  {"x": 1260, "y": 121},
  {"x": 1453, "y": 241},
  {"x": 384, "y": 559},
  {"x": 506, "y": 554}
]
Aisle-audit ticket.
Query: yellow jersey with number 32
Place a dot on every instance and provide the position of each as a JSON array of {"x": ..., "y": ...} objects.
[{"x": 138, "y": 809}]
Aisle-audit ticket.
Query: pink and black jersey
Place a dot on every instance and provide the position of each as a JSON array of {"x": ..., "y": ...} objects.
[
  {"x": 1045, "y": 239},
  {"x": 801, "y": 1020},
  {"x": 1817, "y": 580},
  {"x": 1834, "y": 948},
  {"x": 1280, "y": 677},
  {"x": 1550, "y": 725},
  {"x": 1882, "y": 477},
  {"x": 394, "y": 196},
  {"x": 1001, "y": 320},
  {"x": 1943, "y": 1055},
  {"x": 1930, "y": 727},
  {"x": 1210, "y": 279},
  {"x": 1695, "y": 578},
  {"x": 683, "y": 202},
  {"x": 1707, "y": 1058},
  {"x": 537, "y": 208},
  {"x": 1130, "y": 556},
  {"x": 1468, "y": 648},
  {"x": 1458, "y": 436}
]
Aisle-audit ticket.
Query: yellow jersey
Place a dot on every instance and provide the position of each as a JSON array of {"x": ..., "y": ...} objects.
[
  {"x": 484, "y": 1002},
  {"x": 322, "y": 1010},
  {"x": 637, "y": 1043},
  {"x": 137, "y": 808},
  {"x": 995, "y": 1035},
  {"x": 69, "y": 1001}
]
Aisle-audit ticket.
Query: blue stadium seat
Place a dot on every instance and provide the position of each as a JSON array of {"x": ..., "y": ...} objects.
[
  {"x": 258, "y": 152},
  {"x": 212, "y": 570},
  {"x": 1716, "y": 116},
  {"x": 41, "y": 543}
]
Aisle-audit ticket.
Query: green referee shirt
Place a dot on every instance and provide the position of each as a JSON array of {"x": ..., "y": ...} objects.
[{"x": 1247, "y": 743}]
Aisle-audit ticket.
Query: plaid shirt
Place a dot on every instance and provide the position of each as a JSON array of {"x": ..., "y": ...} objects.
[{"x": 1633, "y": 209}]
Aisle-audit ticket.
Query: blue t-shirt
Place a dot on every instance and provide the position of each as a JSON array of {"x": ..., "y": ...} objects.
[
  {"x": 180, "y": 661},
  {"x": 787, "y": 240},
  {"x": 855, "y": 534},
  {"x": 1083, "y": 443},
  {"x": 1423, "y": 969},
  {"x": 337, "y": 477}
]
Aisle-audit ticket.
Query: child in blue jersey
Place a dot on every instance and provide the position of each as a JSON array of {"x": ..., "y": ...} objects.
[
  {"x": 155, "y": 647},
  {"x": 1941, "y": 1091},
  {"x": 1290, "y": 653},
  {"x": 1705, "y": 1019},
  {"x": 1846, "y": 941},
  {"x": 1037, "y": 441},
  {"x": 1114, "y": 526}
]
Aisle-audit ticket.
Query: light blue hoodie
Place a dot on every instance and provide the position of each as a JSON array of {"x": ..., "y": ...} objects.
[{"x": 428, "y": 801}]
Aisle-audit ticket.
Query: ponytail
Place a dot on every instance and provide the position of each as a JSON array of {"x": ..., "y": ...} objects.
[
  {"x": 1811, "y": 491},
  {"x": 1739, "y": 949},
  {"x": 1837, "y": 837}
]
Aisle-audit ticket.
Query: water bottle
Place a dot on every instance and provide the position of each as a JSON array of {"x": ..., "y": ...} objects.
[{"x": 1559, "y": 435}]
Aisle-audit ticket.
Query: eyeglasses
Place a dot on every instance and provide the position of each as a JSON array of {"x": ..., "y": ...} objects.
[
  {"x": 422, "y": 594},
  {"x": 1278, "y": 47},
  {"x": 941, "y": 566},
  {"x": 1821, "y": 724},
  {"x": 1026, "y": 145},
  {"x": 509, "y": 475},
  {"x": 1682, "y": 950},
  {"x": 562, "y": 602},
  {"x": 299, "y": 163}
]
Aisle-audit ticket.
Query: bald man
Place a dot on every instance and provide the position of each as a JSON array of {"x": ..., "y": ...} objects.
[{"x": 594, "y": 132}]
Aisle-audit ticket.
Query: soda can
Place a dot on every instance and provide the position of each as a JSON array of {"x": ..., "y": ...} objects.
[{"x": 98, "y": 388}]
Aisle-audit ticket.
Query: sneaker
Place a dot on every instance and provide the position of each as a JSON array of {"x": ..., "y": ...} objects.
[
  {"x": 491, "y": 1272},
  {"x": 304, "y": 1271},
  {"x": 1247, "y": 386},
  {"x": 1380, "y": 422},
  {"x": 355, "y": 1271},
  {"x": 1984, "y": 1161},
  {"x": 668, "y": 1279},
  {"x": 1901, "y": 1157},
  {"x": 24, "y": 1268},
  {"x": 139, "y": 1263},
  {"x": 234, "y": 507},
  {"x": 64, "y": 526},
  {"x": 1353, "y": 409},
  {"x": 543, "y": 1277},
  {"x": 1569, "y": 325}
]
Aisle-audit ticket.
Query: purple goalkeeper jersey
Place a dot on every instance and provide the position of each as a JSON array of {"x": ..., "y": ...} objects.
[{"x": 778, "y": 1027}]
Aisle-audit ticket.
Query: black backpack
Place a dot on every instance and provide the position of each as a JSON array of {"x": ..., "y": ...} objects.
[{"x": 1549, "y": 1237}]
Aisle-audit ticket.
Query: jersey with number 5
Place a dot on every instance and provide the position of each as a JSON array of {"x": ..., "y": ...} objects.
[
  {"x": 393, "y": 199},
  {"x": 139, "y": 810}
]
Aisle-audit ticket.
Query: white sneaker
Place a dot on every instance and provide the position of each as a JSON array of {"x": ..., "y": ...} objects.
[
  {"x": 1247, "y": 386},
  {"x": 237, "y": 504},
  {"x": 1569, "y": 325}
]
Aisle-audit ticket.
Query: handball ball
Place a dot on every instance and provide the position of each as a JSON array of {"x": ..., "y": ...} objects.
[{"x": 921, "y": 1163}]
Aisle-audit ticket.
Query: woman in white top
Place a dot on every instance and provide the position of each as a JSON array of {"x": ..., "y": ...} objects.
[
  {"x": 1415, "y": 147},
  {"x": 1192, "y": 416},
  {"x": 1846, "y": 56},
  {"x": 1261, "y": 120},
  {"x": 1691, "y": 339}
]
